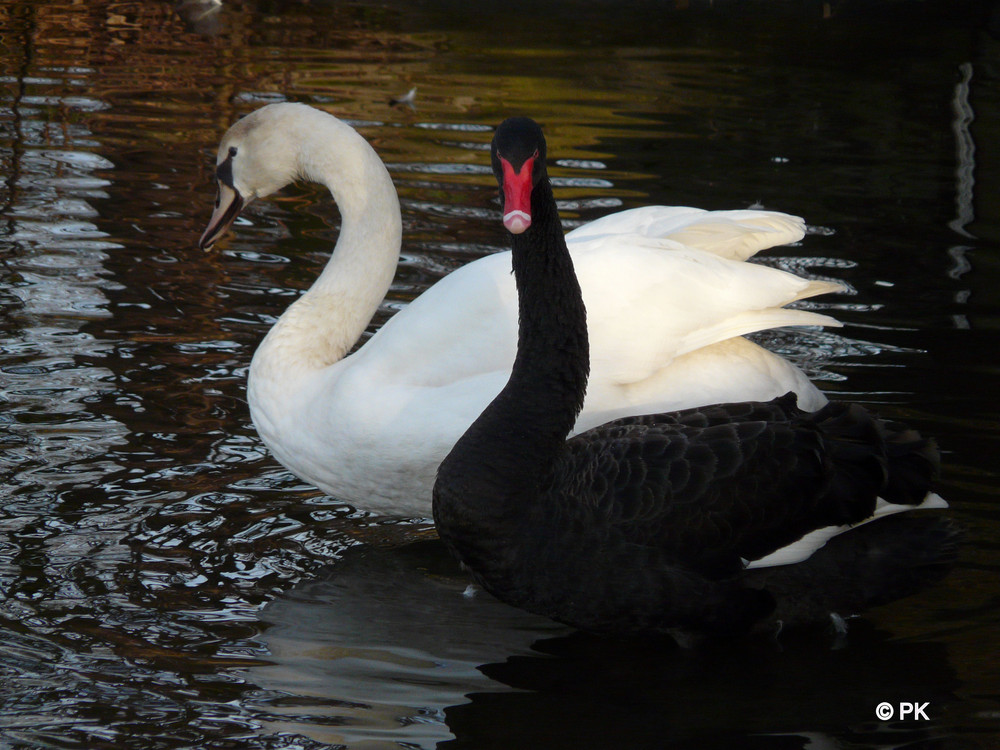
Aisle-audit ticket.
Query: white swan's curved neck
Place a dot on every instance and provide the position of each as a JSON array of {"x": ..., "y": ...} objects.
[{"x": 321, "y": 326}]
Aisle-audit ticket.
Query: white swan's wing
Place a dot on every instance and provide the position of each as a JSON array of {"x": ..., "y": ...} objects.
[
  {"x": 751, "y": 373},
  {"x": 736, "y": 235},
  {"x": 462, "y": 326},
  {"x": 646, "y": 307}
]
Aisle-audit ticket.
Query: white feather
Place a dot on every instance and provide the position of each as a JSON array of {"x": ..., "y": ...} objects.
[{"x": 807, "y": 545}]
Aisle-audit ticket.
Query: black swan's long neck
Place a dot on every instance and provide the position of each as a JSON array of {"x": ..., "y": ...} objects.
[
  {"x": 515, "y": 440},
  {"x": 549, "y": 377}
]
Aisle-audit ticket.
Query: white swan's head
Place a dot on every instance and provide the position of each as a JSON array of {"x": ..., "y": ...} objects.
[{"x": 259, "y": 155}]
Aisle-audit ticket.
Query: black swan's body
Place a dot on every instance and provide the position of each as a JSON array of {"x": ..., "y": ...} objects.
[{"x": 648, "y": 524}]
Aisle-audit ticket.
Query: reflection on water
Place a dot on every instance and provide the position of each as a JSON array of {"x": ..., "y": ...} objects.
[
  {"x": 163, "y": 583},
  {"x": 386, "y": 647},
  {"x": 379, "y": 647}
]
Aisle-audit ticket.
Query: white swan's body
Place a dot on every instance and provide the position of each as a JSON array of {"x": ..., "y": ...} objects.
[{"x": 371, "y": 428}]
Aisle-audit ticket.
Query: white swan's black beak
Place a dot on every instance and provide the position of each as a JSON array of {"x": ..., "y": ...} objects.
[{"x": 227, "y": 207}]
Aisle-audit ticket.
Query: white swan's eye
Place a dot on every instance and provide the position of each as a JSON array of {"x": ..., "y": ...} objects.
[{"x": 224, "y": 171}]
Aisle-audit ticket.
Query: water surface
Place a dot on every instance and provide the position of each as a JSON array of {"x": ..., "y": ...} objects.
[{"x": 165, "y": 584}]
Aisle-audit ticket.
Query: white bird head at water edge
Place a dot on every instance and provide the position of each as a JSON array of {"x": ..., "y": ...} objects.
[{"x": 257, "y": 156}]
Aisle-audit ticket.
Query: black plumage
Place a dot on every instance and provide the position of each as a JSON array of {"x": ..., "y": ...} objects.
[{"x": 646, "y": 524}]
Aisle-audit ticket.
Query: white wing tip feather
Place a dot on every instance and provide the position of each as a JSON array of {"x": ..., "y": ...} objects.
[
  {"x": 817, "y": 287},
  {"x": 803, "y": 549}
]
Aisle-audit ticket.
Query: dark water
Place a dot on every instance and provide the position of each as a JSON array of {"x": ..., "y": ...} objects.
[{"x": 165, "y": 584}]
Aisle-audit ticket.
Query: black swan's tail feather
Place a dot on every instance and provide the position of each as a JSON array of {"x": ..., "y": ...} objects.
[
  {"x": 914, "y": 463},
  {"x": 874, "y": 458},
  {"x": 854, "y": 445}
]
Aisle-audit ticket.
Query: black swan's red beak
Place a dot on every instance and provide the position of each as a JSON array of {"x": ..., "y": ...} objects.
[{"x": 517, "y": 195}]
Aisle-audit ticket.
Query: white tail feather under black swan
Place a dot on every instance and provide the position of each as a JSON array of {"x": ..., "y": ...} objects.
[{"x": 710, "y": 520}]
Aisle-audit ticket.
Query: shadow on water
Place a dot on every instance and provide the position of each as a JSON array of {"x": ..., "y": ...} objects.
[
  {"x": 601, "y": 694},
  {"x": 383, "y": 644}
]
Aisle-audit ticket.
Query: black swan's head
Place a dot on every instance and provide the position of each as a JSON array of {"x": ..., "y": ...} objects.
[{"x": 518, "y": 154}]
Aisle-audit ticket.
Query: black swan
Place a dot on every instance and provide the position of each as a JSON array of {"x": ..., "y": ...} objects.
[{"x": 706, "y": 520}]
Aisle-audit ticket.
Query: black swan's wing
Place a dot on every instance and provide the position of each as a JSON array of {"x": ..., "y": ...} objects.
[{"x": 715, "y": 487}]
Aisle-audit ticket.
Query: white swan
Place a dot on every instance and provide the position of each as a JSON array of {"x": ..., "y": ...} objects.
[{"x": 668, "y": 295}]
